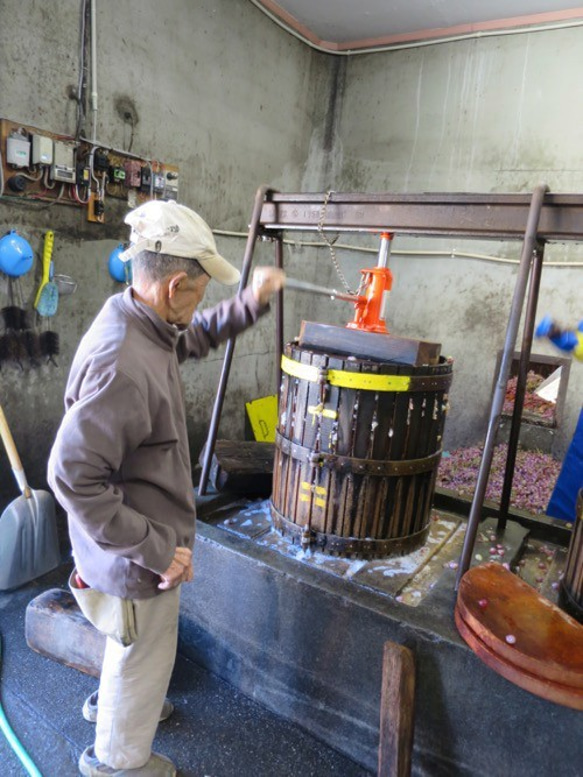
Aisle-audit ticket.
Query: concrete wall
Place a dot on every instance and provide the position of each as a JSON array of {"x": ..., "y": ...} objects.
[
  {"x": 235, "y": 102},
  {"x": 219, "y": 91},
  {"x": 497, "y": 114}
]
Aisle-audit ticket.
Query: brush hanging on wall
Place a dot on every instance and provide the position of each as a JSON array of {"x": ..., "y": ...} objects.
[
  {"x": 19, "y": 343},
  {"x": 16, "y": 259},
  {"x": 15, "y": 342},
  {"x": 47, "y": 301}
]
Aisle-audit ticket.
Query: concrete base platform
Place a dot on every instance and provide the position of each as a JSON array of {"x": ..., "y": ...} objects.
[{"x": 304, "y": 636}]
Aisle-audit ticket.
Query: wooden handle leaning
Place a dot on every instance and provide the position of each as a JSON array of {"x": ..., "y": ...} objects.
[
  {"x": 13, "y": 456},
  {"x": 397, "y": 711}
]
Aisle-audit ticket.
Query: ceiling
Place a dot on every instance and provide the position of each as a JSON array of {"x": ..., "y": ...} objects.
[{"x": 340, "y": 25}]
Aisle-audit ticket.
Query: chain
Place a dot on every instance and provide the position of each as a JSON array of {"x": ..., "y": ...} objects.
[{"x": 330, "y": 242}]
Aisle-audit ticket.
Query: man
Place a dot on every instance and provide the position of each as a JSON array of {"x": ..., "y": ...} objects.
[{"x": 120, "y": 467}]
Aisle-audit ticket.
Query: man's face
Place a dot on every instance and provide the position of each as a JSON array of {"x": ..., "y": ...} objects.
[{"x": 185, "y": 300}]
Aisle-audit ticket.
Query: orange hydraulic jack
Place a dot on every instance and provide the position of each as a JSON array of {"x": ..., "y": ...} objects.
[{"x": 370, "y": 306}]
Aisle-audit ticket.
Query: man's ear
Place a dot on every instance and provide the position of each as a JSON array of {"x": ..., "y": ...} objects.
[{"x": 175, "y": 282}]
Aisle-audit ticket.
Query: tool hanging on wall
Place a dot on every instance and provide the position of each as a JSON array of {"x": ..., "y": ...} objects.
[
  {"x": 47, "y": 296},
  {"x": 119, "y": 271},
  {"x": 16, "y": 259},
  {"x": 47, "y": 300}
]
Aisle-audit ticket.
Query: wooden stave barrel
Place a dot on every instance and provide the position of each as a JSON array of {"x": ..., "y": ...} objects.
[
  {"x": 571, "y": 587},
  {"x": 395, "y": 494}
]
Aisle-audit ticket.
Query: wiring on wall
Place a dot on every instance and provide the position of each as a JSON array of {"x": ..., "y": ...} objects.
[
  {"x": 82, "y": 81},
  {"x": 454, "y": 253}
]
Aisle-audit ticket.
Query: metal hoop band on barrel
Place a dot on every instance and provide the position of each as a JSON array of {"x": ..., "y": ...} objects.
[
  {"x": 379, "y": 467},
  {"x": 365, "y": 381},
  {"x": 571, "y": 588},
  {"x": 348, "y": 546}
]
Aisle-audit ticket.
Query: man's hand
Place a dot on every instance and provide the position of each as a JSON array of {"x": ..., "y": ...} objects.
[
  {"x": 179, "y": 571},
  {"x": 266, "y": 281}
]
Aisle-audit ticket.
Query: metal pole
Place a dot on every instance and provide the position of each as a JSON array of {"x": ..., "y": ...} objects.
[
  {"x": 385, "y": 249},
  {"x": 521, "y": 385},
  {"x": 530, "y": 239},
  {"x": 278, "y": 314},
  {"x": 311, "y": 288},
  {"x": 209, "y": 449}
]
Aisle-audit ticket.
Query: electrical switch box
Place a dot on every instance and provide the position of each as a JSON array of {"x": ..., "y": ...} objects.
[
  {"x": 18, "y": 150},
  {"x": 146, "y": 178},
  {"x": 42, "y": 150},
  {"x": 63, "y": 166},
  {"x": 158, "y": 184},
  {"x": 100, "y": 160},
  {"x": 116, "y": 174},
  {"x": 133, "y": 170},
  {"x": 171, "y": 186}
]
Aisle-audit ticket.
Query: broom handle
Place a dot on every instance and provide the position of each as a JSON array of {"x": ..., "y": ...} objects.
[{"x": 13, "y": 456}]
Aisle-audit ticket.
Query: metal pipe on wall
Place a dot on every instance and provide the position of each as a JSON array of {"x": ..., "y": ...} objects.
[
  {"x": 528, "y": 248},
  {"x": 94, "y": 69}
]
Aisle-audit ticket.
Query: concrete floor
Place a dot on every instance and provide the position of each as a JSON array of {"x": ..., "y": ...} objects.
[{"x": 215, "y": 731}]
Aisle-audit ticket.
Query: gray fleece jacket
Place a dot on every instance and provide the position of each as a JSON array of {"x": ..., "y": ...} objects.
[{"x": 120, "y": 464}]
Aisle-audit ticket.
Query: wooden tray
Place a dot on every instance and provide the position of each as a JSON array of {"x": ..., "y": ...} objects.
[{"x": 521, "y": 635}]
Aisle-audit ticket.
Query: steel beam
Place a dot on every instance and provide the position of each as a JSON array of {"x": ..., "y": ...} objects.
[{"x": 489, "y": 216}]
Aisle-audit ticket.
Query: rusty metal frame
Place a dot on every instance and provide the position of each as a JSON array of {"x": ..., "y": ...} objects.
[
  {"x": 488, "y": 216},
  {"x": 535, "y": 219}
]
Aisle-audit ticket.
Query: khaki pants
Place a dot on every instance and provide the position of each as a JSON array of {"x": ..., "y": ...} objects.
[{"x": 134, "y": 681}]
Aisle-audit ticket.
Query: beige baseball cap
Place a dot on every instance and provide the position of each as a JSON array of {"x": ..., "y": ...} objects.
[{"x": 165, "y": 227}]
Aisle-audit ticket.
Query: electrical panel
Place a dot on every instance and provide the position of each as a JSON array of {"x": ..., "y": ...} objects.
[
  {"x": 42, "y": 150},
  {"x": 17, "y": 150},
  {"x": 63, "y": 167},
  {"x": 42, "y": 165}
]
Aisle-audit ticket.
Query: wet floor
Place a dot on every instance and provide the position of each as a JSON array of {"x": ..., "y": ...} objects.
[{"x": 409, "y": 578}]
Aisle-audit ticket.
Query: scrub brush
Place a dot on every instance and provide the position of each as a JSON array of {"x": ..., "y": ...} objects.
[{"x": 50, "y": 346}]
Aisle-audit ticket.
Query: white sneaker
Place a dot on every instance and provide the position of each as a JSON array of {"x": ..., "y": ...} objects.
[
  {"x": 157, "y": 766},
  {"x": 90, "y": 708}
]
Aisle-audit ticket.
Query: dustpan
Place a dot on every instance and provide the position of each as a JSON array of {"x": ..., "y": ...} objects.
[{"x": 29, "y": 543}]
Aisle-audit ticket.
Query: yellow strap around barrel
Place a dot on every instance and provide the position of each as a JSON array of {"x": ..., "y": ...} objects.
[{"x": 368, "y": 381}]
